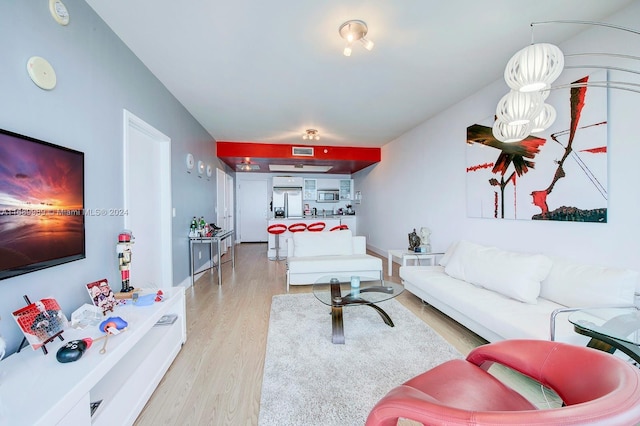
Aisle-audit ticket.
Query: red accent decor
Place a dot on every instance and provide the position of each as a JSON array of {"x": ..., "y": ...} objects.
[
  {"x": 316, "y": 226},
  {"x": 339, "y": 228},
  {"x": 479, "y": 166},
  {"x": 298, "y": 227},
  {"x": 277, "y": 228},
  {"x": 599, "y": 150},
  {"x": 342, "y": 159}
]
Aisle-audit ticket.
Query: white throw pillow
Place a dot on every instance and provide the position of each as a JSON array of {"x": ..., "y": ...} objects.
[
  {"x": 579, "y": 285},
  {"x": 515, "y": 275},
  {"x": 447, "y": 255},
  {"x": 324, "y": 243}
]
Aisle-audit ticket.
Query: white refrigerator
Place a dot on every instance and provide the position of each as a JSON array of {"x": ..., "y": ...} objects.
[{"x": 288, "y": 200}]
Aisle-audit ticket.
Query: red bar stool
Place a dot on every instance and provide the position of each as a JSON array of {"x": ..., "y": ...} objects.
[
  {"x": 277, "y": 229},
  {"x": 316, "y": 226},
  {"x": 339, "y": 228},
  {"x": 297, "y": 227}
]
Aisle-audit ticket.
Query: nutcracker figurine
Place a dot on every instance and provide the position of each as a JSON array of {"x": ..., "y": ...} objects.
[{"x": 123, "y": 248}]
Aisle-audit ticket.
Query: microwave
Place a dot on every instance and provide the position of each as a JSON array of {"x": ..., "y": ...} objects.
[{"x": 328, "y": 196}]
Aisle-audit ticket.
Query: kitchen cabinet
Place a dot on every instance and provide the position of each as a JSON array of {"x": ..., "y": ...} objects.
[
  {"x": 346, "y": 189},
  {"x": 310, "y": 190}
]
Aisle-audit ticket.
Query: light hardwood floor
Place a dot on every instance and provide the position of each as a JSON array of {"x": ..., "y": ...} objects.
[{"x": 216, "y": 378}]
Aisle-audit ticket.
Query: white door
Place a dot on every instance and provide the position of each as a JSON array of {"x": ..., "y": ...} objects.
[
  {"x": 147, "y": 202},
  {"x": 224, "y": 205},
  {"x": 253, "y": 208},
  {"x": 229, "y": 201}
]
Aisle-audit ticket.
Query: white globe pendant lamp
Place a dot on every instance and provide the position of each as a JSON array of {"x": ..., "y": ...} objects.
[
  {"x": 534, "y": 68},
  {"x": 544, "y": 120},
  {"x": 510, "y": 133},
  {"x": 517, "y": 108}
]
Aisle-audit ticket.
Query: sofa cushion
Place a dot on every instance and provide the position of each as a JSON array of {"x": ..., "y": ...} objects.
[
  {"x": 578, "y": 285},
  {"x": 322, "y": 243},
  {"x": 515, "y": 275},
  {"x": 356, "y": 262},
  {"x": 506, "y": 317},
  {"x": 447, "y": 255}
]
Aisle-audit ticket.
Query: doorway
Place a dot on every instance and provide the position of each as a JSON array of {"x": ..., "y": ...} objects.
[
  {"x": 224, "y": 205},
  {"x": 253, "y": 211},
  {"x": 147, "y": 202}
]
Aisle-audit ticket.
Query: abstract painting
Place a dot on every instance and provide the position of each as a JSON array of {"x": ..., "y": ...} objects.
[{"x": 560, "y": 174}]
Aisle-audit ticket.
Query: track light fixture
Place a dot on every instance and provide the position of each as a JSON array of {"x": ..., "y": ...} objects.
[
  {"x": 354, "y": 30},
  {"x": 311, "y": 134}
]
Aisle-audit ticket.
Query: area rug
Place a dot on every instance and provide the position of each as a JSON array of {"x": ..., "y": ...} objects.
[{"x": 310, "y": 381}]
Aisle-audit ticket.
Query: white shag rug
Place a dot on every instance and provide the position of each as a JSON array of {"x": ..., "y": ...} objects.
[{"x": 310, "y": 381}]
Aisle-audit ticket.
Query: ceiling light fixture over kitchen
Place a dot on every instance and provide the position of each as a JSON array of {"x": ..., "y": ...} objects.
[
  {"x": 311, "y": 134},
  {"x": 247, "y": 166},
  {"x": 354, "y": 30}
]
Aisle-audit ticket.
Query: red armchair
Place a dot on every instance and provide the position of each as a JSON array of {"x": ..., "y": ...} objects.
[{"x": 597, "y": 389}]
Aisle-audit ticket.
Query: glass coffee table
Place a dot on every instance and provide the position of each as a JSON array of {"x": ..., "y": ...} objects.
[
  {"x": 337, "y": 291},
  {"x": 610, "y": 329}
]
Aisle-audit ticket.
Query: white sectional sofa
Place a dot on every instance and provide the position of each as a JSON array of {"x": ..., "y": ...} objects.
[
  {"x": 502, "y": 295},
  {"x": 311, "y": 255}
]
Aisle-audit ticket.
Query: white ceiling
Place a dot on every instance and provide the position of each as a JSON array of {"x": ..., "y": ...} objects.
[{"x": 264, "y": 71}]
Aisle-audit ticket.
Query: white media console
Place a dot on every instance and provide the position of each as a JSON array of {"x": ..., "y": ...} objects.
[{"x": 35, "y": 389}]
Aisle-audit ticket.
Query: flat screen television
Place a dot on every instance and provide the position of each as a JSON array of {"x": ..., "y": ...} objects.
[{"x": 41, "y": 204}]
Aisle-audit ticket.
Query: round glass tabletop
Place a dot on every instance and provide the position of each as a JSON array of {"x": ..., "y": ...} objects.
[{"x": 337, "y": 290}]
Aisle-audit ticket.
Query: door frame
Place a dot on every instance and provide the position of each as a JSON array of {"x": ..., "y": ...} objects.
[{"x": 164, "y": 214}]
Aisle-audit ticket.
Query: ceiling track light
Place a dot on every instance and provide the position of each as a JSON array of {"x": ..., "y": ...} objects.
[
  {"x": 354, "y": 30},
  {"x": 311, "y": 134}
]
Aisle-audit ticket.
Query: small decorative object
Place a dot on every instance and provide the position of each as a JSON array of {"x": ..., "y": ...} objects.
[
  {"x": 40, "y": 322},
  {"x": 41, "y": 73},
  {"x": 414, "y": 240},
  {"x": 123, "y": 248},
  {"x": 86, "y": 315},
  {"x": 424, "y": 239},
  {"x": 59, "y": 12},
  {"x": 73, "y": 350},
  {"x": 191, "y": 162},
  {"x": 167, "y": 319},
  {"x": 102, "y": 295},
  {"x": 112, "y": 325},
  {"x": 355, "y": 285}
]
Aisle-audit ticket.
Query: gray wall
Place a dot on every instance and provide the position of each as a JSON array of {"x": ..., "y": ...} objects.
[{"x": 98, "y": 77}]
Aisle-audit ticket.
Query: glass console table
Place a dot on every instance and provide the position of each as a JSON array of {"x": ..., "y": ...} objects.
[{"x": 214, "y": 240}]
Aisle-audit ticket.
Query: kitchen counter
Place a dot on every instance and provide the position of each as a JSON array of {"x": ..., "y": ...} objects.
[
  {"x": 329, "y": 216},
  {"x": 330, "y": 221}
]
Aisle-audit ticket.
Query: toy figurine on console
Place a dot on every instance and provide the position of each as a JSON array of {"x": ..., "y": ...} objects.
[{"x": 123, "y": 248}]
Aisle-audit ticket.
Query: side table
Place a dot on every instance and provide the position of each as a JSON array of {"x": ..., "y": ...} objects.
[
  {"x": 216, "y": 261},
  {"x": 405, "y": 255}
]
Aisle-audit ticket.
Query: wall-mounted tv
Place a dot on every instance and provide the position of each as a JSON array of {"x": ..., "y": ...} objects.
[{"x": 41, "y": 204}]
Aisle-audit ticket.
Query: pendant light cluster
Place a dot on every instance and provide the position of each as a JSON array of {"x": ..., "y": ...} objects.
[{"x": 529, "y": 74}]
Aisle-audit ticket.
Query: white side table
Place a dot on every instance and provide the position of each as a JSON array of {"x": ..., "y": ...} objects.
[{"x": 405, "y": 255}]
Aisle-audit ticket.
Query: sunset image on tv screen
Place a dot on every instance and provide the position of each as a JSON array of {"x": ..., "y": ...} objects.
[{"x": 41, "y": 204}]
